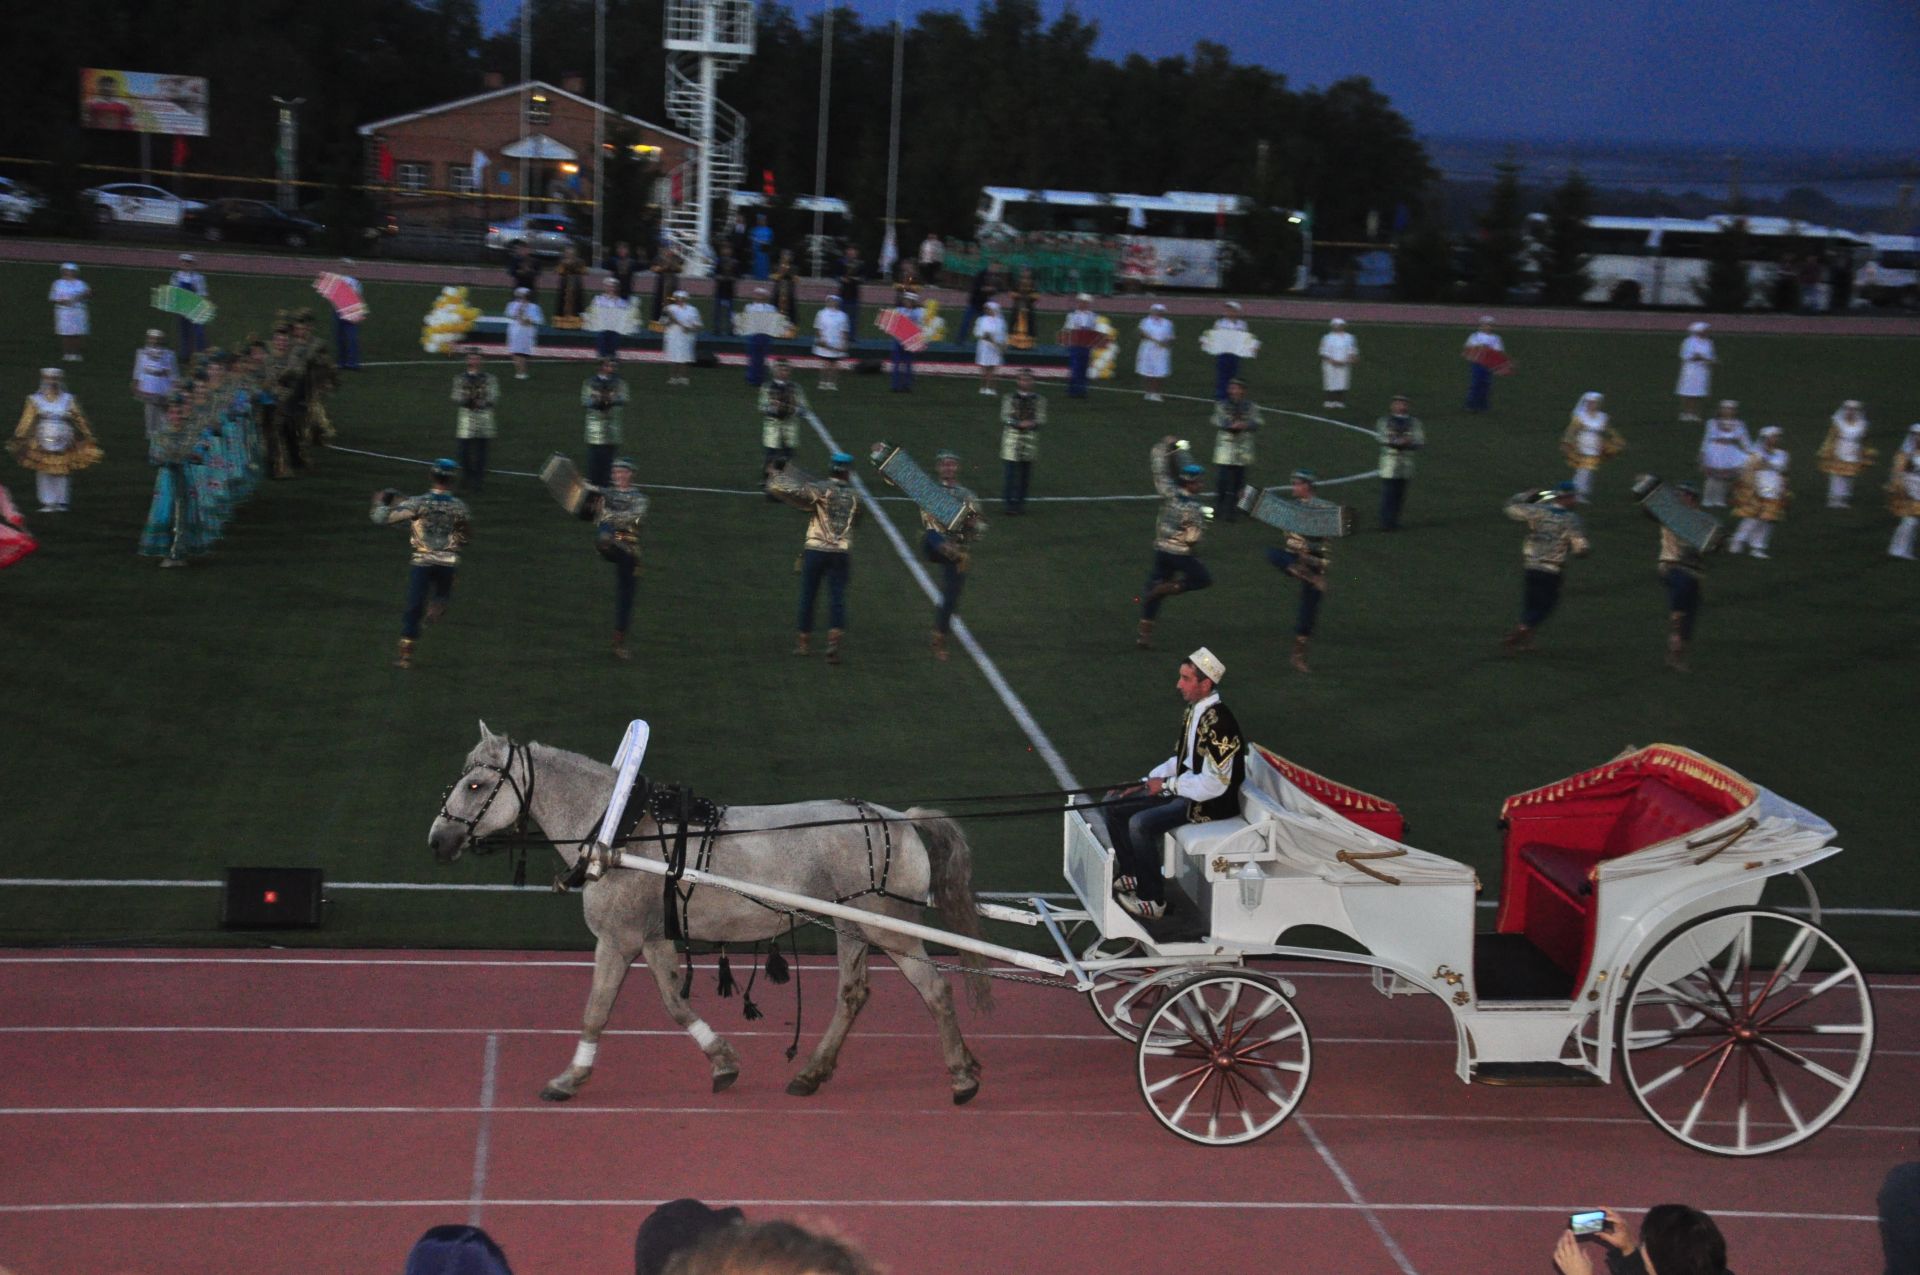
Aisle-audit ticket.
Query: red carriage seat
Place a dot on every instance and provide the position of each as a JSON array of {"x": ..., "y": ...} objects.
[{"x": 1557, "y": 836}]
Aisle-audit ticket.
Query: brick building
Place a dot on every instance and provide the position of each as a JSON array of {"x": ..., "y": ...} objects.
[{"x": 426, "y": 157}]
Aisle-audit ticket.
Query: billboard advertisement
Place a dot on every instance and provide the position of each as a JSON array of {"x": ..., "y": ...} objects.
[
  {"x": 142, "y": 102},
  {"x": 1175, "y": 263}
]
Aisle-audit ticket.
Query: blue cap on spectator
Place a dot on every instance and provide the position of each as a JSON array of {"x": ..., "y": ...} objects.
[
  {"x": 840, "y": 460},
  {"x": 1192, "y": 471},
  {"x": 445, "y": 467}
]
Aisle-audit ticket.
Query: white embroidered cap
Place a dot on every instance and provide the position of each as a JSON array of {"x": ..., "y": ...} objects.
[
  {"x": 1337, "y": 323},
  {"x": 1208, "y": 664},
  {"x": 1696, "y": 328},
  {"x": 51, "y": 373},
  {"x": 153, "y": 334}
]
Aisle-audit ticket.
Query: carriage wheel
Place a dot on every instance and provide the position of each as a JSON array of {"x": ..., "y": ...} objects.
[
  {"x": 1691, "y": 988},
  {"x": 1745, "y": 1031},
  {"x": 1224, "y": 1059},
  {"x": 1125, "y": 999}
]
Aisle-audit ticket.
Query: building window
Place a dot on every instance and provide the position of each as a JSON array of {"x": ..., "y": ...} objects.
[
  {"x": 410, "y": 178},
  {"x": 539, "y": 109},
  {"x": 460, "y": 179}
]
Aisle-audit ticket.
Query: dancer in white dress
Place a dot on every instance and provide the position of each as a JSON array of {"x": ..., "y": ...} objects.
[
  {"x": 1844, "y": 455},
  {"x": 1153, "y": 362},
  {"x": 69, "y": 296},
  {"x": 524, "y": 318},
  {"x": 682, "y": 329},
  {"x": 1590, "y": 440},
  {"x": 831, "y": 337},
  {"x": 1760, "y": 497},
  {"x": 1696, "y": 372},
  {"x": 1903, "y": 495},
  {"x": 1723, "y": 450},
  {"x": 989, "y": 345},
  {"x": 1338, "y": 353}
]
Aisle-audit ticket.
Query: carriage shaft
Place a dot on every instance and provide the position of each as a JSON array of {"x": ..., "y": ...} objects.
[{"x": 879, "y": 921}]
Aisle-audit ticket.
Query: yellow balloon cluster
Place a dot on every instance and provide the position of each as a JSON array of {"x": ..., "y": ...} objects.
[
  {"x": 935, "y": 326},
  {"x": 1107, "y": 355},
  {"x": 450, "y": 319}
]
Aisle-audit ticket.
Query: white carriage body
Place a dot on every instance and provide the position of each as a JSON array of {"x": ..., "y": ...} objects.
[{"x": 1292, "y": 860}]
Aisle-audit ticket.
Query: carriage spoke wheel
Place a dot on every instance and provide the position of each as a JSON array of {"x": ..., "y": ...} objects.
[
  {"x": 1126, "y": 998},
  {"x": 1224, "y": 1059},
  {"x": 1746, "y": 1031}
]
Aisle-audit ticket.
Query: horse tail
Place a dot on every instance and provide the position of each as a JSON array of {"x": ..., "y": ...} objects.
[{"x": 951, "y": 862}]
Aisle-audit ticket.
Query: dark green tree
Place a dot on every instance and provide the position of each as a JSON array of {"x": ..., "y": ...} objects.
[
  {"x": 1423, "y": 262},
  {"x": 1499, "y": 249},
  {"x": 1726, "y": 287},
  {"x": 1563, "y": 254}
]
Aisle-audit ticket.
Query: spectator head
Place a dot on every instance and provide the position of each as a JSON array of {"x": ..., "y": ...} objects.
[
  {"x": 1677, "y": 1240},
  {"x": 609, "y": 284},
  {"x": 768, "y": 1248},
  {"x": 456, "y": 1250},
  {"x": 609, "y": 367},
  {"x": 1400, "y": 405},
  {"x": 474, "y": 361},
  {"x": 1026, "y": 379},
  {"x": 833, "y": 301},
  {"x": 674, "y": 1227}
]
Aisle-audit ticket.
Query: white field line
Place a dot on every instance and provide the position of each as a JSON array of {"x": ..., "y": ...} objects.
[
  {"x": 483, "y": 1136},
  {"x": 1374, "y": 1223},
  {"x": 816, "y": 1202},
  {"x": 1014, "y": 705}
]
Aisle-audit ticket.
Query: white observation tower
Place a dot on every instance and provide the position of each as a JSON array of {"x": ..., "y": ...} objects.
[{"x": 705, "y": 39}]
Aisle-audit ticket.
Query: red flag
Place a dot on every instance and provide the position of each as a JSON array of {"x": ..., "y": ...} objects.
[
  {"x": 179, "y": 152},
  {"x": 386, "y": 162},
  {"x": 766, "y": 183}
]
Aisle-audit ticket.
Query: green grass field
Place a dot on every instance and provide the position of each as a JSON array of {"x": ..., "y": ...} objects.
[{"x": 168, "y": 724}]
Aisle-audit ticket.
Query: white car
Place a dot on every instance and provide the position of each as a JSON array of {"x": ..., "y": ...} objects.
[
  {"x": 17, "y": 203},
  {"x": 122, "y": 202}
]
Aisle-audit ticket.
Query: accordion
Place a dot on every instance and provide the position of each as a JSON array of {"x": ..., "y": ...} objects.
[
  {"x": 189, "y": 305},
  {"x": 763, "y": 323},
  {"x": 936, "y": 498},
  {"x": 899, "y": 325},
  {"x": 1086, "y": 338},
  {"x": 565, "y": 485},
  {"x": 1305, "y": 518},
  {"x": 1495, "y": 361},
  {"x": 343, "y": 294},
  {"x": 1229, "y": 341},
  {"x": 1693, "y": 525}
]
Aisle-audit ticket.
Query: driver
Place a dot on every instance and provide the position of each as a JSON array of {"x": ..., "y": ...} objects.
[{"x": 1199, "y": 783}]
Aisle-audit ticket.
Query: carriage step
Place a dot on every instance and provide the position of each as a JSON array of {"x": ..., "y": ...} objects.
[{"x": 1535, "y": 1075}]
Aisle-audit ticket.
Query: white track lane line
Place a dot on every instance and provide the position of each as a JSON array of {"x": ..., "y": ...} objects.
[
  {"x": 483, "y": 1136},
  {"x": 1378, "y": 1227}
]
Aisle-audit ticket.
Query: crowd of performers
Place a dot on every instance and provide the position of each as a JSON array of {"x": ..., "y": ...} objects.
[{"x": 215, "y": 426}]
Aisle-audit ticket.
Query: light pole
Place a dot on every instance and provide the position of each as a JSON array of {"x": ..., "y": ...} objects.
[
  {"x": 284, "y": 153},
  {"x": 1303, "y": 218}
]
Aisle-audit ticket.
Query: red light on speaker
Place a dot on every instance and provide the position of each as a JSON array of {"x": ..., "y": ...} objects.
[{"x": 271, "y": 896}]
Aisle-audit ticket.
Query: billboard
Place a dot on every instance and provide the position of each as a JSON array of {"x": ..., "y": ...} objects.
[
  {"x": 1157, "y": 261},
  {"x": 142, "y": 102}
]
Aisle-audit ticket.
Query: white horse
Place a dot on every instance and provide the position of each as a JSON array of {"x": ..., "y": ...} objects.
[{"x": 565, "y": 795}]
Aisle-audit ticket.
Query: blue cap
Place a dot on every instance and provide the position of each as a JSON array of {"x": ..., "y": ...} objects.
[
  {"x": 1192, "y": 471},
  {"x": 1304, "y": 476},
  {"x": 624, "y": 462},
  {"x": 840, "y": 460},
  {"x": 1563, "y": 487},
  {"x": 445, "y": 466}
]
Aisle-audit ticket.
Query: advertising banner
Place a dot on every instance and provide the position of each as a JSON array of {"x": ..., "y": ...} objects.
[
  {"x": 1173, "y": 263},
  {"x": 142, "y": 102}
]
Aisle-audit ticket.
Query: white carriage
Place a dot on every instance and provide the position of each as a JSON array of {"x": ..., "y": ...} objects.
[{"x": 1630, "y": 937}]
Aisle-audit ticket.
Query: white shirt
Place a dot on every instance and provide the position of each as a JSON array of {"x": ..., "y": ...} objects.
[
  {"x": 830, "y": 327},
  {"x": 1080, "y": 319},
  {"x": 990, "y": 327},
  {"x": 1770, "y": 475},
  {"x": 153, "y": 368},
  {"x": 1157, "y": 328},
  {"x": 524, "y": 313},
  {"x": 1848, "y": 434},
  {"x": 1231, "y": 324},
  {"x": 1204, "y": 782},
  {"x": 684, "y": 314},
  {"x": 69, "y": 292},
  {"x": 191, "y": 280},
  {"x": 1339, "y": 347},
  {"x": 1696, "y": 349},
  {"x": 1491, "y": 340}
]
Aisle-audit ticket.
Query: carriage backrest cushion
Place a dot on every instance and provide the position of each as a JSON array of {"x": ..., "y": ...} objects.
[{"x": 1657, "y": 811}]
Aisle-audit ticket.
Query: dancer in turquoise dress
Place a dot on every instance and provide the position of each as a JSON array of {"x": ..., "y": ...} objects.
[{"x": 175, "y": 528}]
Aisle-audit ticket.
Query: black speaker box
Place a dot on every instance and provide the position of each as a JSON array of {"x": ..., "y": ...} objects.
[{"x": 271, "y": 899}]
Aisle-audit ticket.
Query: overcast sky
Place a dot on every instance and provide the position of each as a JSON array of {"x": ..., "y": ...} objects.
[{"x": 1812, "y": 73}]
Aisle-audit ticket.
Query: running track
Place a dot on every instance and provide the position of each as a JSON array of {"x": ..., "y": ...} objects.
[{"x": 314, "y": 1112}]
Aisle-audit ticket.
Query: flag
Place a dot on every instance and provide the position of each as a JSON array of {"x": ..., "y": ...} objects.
[
  {"x": 179, "y": 152},
  {"x": 386, "y": 162},
  {"x": 479, "y": 169},
  {"x": 889, "y": 252}
]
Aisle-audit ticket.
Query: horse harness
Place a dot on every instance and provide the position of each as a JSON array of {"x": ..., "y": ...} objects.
[{"x": 473, "y": 843}]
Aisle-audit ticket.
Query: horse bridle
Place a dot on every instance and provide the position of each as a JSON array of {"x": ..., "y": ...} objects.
[{"x": 524, "y": 797}]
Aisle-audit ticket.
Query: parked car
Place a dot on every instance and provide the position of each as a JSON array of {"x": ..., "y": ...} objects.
[
  {"x": 546, "y": 234},
  {"x": 133, "y": 202},
  {"x": 251, "y": 221},
  {"x": 17, "y": 202}
]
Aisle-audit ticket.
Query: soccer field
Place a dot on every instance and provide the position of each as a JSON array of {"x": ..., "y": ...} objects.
[{"x": 165, "y": 725}]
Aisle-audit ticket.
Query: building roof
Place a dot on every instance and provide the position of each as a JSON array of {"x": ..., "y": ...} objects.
[{"x": 490, "y": 94}]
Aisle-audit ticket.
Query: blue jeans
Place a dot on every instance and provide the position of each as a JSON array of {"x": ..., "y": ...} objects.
[
  {"x": 424, "y": 583},
  {"x": 1190, "y": 571},
  {"x": 933, "y": 547},
  {"x": 1079, "y": 359},
  {"x": 473, "y": 462},
  {"x": 1228, "y": 480},
  {"x": 1225, "y": 368},
  {"x": 965, "y": 333},
  {"x": 346, "y": 344},
  {"x": 902, "y": 368},
  {"x": 624, "y": 564},
  {"x": 1683, "y": 598},
  {"x": 757, "y": 346},
  {"x": 1137, "y": 825},
  {"x": 1393, "y": 496},
  {"x": 1013, "y": 490},
  {"x": 1539, "y": 597},
  {"x": 193, "y": 339},
  {"x": 606, "y": 343},
  {"x": 600, "y": 463},
  {"x": 1309, "y": 612},
  {"x": 817, "y": 565},
  {"x": 1479, "y": 388},
  {"x": 723, "y": 316}
]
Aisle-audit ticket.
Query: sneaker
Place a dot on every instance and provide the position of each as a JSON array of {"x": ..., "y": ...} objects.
[
  {"x": 1761, "y": 553},
  {"x": 1145, "y": 909},
  {"x": 1738, "y": 546},
  {"x": 1126, "y": 885},
  {"x": 987, "y": 391}
]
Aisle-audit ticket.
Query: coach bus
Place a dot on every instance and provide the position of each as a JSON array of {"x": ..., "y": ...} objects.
[
  {"x": 1181, "y": 239},
  {"x": 1891, "y": 276},
  {"x": 1663, "y": 261}
]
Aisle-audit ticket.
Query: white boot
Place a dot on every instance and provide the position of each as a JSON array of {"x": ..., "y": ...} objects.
[
  {"x": 1761, "y": 536},
  {"x": 1839, "y": 491},
  {"x": 1902, "y": 546},
  {"x": 1583, "y": 483},
  {"x": 1741, "y": 535},
  {"x": 1714, "y": 494}
]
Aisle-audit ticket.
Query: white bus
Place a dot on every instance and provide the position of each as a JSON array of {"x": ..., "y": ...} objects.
[
  {"x": 1662, "y": 261},
  {"x": 1892, "y": 275},
  {"x": 1181, "y": 239}
]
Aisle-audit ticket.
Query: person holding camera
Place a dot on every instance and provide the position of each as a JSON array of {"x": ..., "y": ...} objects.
[{"x": 1674, "y": 1240}]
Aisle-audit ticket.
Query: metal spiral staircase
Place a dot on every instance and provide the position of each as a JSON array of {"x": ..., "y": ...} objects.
[{"x": 705, "y": 39}]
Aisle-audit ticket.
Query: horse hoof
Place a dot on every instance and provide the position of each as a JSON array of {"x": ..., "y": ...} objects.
[
  {"x": 550, "y": 1094},
  {"x": 799, "y": 1087},
  {"x": 724, "y": 1081},
  {"x": 961, "y": 1097}
]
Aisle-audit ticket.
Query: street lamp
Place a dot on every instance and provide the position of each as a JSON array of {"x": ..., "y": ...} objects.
[
  {"x": 1303, "y": 218},
  {"x": 284, "y": 153}
]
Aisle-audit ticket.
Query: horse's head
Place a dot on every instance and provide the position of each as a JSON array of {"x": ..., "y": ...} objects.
[{"x": 492, "y": 793}]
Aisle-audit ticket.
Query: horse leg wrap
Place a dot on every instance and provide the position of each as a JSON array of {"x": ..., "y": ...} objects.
[
  {"x": 702, "y": 1034},
  {"x": 584, "y": 1053}
]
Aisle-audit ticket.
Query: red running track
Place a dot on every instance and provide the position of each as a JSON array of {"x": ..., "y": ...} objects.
[{"x": 284, "y": 1112}]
